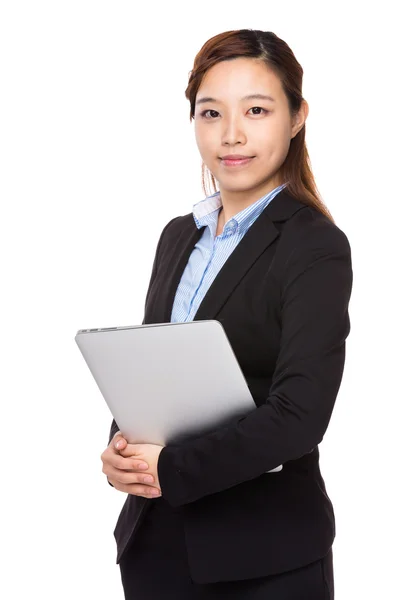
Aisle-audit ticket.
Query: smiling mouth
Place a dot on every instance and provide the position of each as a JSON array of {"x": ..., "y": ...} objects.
[{"x": 234, "y": 162}]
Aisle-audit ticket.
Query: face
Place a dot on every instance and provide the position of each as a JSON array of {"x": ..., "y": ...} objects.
[{"x": 261, "y": 128}]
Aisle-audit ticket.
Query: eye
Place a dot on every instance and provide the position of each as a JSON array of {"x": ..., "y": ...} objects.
[
  {"x": 260, "y": 108},
  {"x": 203, "y": 114}
]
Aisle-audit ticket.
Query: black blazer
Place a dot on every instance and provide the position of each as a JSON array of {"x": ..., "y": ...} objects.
[{"x": 282, "y": 297}]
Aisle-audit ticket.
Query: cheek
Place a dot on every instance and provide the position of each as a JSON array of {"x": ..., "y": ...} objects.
[
  {"x": 284, "y": 144},
  {"x": 277, "y": 144},
  {"x": 205, "y": 141}
]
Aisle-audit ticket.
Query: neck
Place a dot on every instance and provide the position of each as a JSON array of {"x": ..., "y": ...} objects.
[{"x": 234, "y": 201}]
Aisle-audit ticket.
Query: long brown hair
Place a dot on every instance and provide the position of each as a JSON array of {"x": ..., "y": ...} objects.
[{"x": 277, "y": 55}]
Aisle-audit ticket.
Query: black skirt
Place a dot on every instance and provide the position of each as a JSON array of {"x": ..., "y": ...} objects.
[{"x": 155, "y": 567}]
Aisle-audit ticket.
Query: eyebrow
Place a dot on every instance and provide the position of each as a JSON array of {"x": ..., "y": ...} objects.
[{"x": 249, "y": 97}]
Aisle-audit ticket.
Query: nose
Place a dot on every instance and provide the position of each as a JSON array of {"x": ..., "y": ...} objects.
[{"x": 233, "y": 132}]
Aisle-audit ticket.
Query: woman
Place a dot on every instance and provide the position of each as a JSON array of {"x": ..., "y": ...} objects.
[{"x": 264, "y": 257}]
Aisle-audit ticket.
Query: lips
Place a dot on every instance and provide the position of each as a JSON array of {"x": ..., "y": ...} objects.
[
  {"x": 234, "y": 156},
  {"x": 234, "y": 162}
]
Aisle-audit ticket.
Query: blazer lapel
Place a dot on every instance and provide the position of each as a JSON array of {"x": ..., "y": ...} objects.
[{"x": 259, "y": 236}]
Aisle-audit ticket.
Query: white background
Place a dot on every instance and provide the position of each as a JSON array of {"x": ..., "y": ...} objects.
[{"x": 97, "y": 155}]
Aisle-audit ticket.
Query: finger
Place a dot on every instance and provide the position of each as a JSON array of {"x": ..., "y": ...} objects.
[
  {"x": 132, "y": 450},
  {"x": 111, "y": 456},
  {"x": 126, "y": 464},
  {"x": 137, "y": 490},
  {"x": 117, "y": 435},
  {"x": 145, "y": 491},
  {"x": 120, "y": 442},
  {"x": 126, "y": 478}
]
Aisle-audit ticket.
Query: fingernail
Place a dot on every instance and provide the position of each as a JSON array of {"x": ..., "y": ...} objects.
[
  {"x": 142, "y": 466},
  {"x": 118, "y": 444},
  {"x": 148, "y": 479},
  {"x": 155, "y": 493}
]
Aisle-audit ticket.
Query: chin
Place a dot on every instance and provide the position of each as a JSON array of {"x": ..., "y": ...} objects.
[{"x": 241, "y": 184}]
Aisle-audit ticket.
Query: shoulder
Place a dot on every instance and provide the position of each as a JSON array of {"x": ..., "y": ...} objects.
[
  {"x": 172, "y": 230},
  {"x": 310, "y": 232},
  {"x": 178, "y": 224},
  {"x": 314, "y": 258}
]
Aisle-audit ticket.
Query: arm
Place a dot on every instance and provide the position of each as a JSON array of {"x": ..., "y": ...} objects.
[{"x": 315, "y": 293}]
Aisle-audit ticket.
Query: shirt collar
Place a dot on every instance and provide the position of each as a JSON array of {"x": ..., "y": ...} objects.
[{"x": 206, "y": 212}]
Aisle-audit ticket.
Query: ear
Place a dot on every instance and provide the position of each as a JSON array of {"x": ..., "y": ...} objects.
[{"x": 300, "y": 118}]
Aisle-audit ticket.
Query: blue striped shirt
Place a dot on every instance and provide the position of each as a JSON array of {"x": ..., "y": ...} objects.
[{"x": 211, "y": 252}]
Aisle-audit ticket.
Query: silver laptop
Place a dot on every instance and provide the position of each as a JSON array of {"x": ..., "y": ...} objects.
[{"x": 167, "y": 382}]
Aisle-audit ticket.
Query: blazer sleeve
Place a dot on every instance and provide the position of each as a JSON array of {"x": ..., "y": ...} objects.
[
  {"x": 316, "y": 286},
  {"x": 114, "y": 427}
]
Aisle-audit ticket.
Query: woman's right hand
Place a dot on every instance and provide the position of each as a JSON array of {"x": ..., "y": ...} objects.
[{"x": 126, "y": 474}]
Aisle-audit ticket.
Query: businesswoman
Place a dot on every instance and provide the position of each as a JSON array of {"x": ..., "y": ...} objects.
[{"x": 263, "y": 256}]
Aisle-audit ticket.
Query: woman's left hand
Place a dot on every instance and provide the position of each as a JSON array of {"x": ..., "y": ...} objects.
[{"x": 148, "y": 453}]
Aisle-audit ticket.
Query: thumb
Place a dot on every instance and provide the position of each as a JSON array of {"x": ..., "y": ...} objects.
[
  {"x": 135, "y": 450},
  {"x": 118, "y": 441}
]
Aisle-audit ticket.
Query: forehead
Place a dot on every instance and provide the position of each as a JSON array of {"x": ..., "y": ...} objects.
[{"x": 238, "y": 77}]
